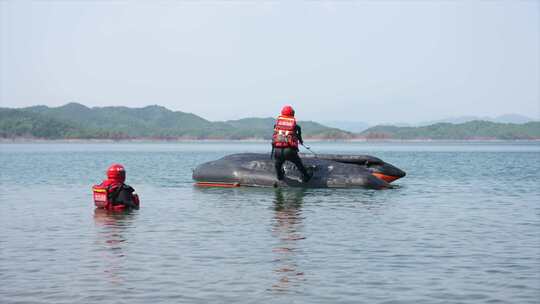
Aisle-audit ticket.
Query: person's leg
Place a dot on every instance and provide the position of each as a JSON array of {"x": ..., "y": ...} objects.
[
  {"x": 292, "y": 155},
  {"x": 278, "y": 162}
]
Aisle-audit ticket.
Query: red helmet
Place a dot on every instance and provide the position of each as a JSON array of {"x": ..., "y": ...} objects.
[
  {"x": 116, "y": 172},
  {"x": 287, "y": 111}
]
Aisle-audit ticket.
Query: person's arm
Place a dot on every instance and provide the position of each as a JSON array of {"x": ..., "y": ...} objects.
[
  {"x": 299, "y": 134},
  {"x": 125, "y": 196},
  {"x": 272, "y": 152}
]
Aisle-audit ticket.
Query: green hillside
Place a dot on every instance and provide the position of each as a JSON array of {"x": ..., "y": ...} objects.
[
  {"x": 74, "y": 120},
  {"x": 20, "y": 123},
  {"x": 17, "y": 123},
  {"x": 464, "y": 131},
  {"x": 151, "y": 121}
]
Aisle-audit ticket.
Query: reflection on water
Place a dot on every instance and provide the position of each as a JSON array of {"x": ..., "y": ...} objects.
[
  {"x": 288, "y": 228},
  {"x": 112, "y": 238}
]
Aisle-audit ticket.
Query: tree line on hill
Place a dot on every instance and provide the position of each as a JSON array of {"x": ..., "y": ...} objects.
[
  {"x": 472, "y": 130},
  {"x": 76, "y": 121}
]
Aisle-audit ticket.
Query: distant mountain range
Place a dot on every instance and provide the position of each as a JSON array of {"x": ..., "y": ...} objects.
[
  {"x": 76, "y": 121},
  {"x": 359, "y": 126},
  {"x": 349, "y": 126},
  {"x": 506, "y": 118},
  {"x": 472, "y": 130}
]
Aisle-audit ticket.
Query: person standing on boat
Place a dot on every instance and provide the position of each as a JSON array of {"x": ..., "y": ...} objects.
[{"x": 287, "y": 135}]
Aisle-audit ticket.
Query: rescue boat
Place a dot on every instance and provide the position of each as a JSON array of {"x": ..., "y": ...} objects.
[{"x": 329, "y": 171}]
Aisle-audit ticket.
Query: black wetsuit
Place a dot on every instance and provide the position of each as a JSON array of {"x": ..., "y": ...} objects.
[
  {"x": 291, "y": 154},
  {"x": 123, "y": 195}
]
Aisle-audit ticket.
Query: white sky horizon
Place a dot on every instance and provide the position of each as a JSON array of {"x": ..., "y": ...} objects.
[{"x": 362, "y": 61}]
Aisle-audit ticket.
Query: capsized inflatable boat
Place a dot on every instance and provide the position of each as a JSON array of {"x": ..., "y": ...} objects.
[{"x": 329, "y": 171}]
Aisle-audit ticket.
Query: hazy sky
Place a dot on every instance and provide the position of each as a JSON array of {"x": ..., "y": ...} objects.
[{"x": 373, "y": 61}]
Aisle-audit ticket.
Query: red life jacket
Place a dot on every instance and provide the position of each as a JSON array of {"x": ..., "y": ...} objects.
[
  {"x": 103, "y": 195},
  {"x": 285, "y": 133}
]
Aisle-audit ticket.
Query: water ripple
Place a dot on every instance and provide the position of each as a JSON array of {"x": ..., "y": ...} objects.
[{"x": 462, "y": 227}]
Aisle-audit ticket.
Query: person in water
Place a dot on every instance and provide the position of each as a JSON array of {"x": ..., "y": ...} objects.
[
  {"x": 287, "y": 135},
  {"x": 113, "y": 193}
]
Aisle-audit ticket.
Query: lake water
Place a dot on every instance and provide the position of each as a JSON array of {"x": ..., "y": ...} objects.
[{"x": 462, "y": 227}]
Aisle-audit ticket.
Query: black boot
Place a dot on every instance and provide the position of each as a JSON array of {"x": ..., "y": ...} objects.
[
  {"x": 280, "y": 174},
  {"x": 307, "y": 177}
]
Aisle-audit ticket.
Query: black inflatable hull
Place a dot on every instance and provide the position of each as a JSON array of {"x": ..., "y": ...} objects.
[{"x": 329, "y": 171}]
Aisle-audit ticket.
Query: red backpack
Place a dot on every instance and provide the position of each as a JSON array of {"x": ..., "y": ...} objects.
[{"x": 285, "y": 133}]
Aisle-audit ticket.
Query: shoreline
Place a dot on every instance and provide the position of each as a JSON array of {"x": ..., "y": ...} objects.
[{"x": 148, "y": 140}]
